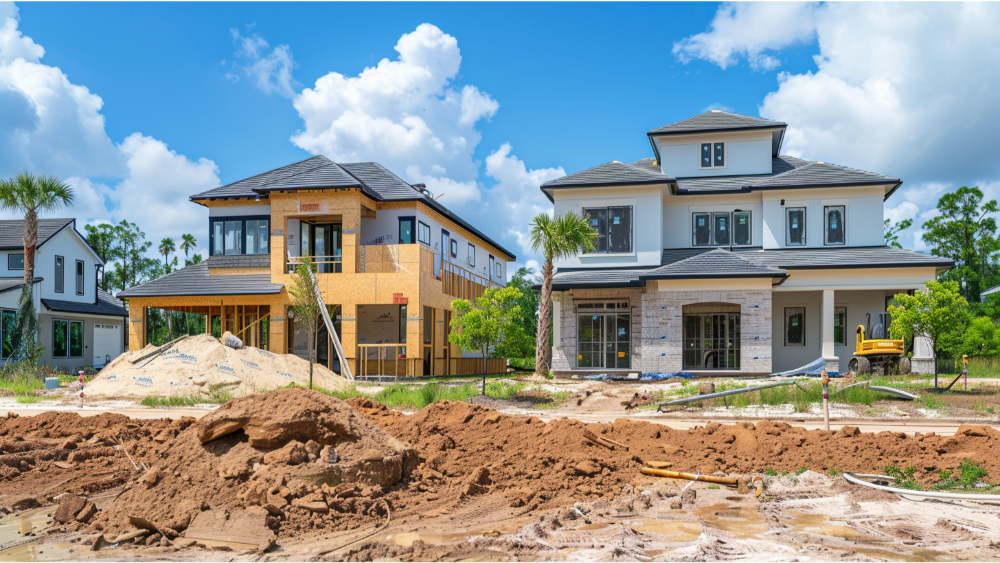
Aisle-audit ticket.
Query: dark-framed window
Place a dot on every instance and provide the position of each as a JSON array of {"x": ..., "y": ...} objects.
[
  {"x": 472, "y": 255},
  {"x": 15, "y": 261},
  {"x": 711, "y": 340},
  {"x": 795, "y": 226},
  {"x": 60, "y": 274},
  {"x": 713, "y": 155},
  {"x": 8, "y": 325},
  {"x": 454, "y": 248},
  {"x": 402, "y": 324},
  {"x": 239, "y": 235},
  {"x": 613, "y": 226},
  {"x": 795, "y": 326},
  {"x": 604, "y": 335},
  {"x": 79, "y": 277},
  {"x": 423, "y": 233},
  {"x": 840, "y": 326},
  {"x": 406, "y": 228},
  {"x": 722, "y": 228},
  {"x": 67, "y": 338},
  {"x": 835, "y": 224},
  {"x": 498, "y": 265},
  {"x": 492, "y": 262}
]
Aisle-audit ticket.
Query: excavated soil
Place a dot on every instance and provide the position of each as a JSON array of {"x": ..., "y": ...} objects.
[
  {"x": 284, "y": 464},
  {"x": 198, "y": 365}
]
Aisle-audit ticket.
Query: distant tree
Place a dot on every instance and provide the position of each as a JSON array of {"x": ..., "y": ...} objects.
[
  {"x": 555, "y": 238},
  {"x": 940, "y": 314},
  {"x": 196, "y": 259},
  {"x": 891, "y": 231},
  {"x": 166, "y": 248},
  {"x": 981, "y": 338},
  {"x": 102, "y": 239},
  {"x": 132, "y": 264},
  {"x": 188, "y": 243},
  {"x": 525, "y": 280},
  {"x": 306, "y": 309},
  {"x": 493, "y": 323},
  {"x": 965, "y": 232}
]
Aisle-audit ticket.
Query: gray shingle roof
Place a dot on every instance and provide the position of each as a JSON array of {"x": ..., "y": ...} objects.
[
  {"x": 844, "y": 257},
  {"x": 716, "y": 121},
  {"x": 380, "y": 180},
  {"x": 326, "y": 176},
  {"x": 106, "y": 304},
  {"x": 714, "y": 263},
  {"x": 194, "y": 280},
  {"x": 12, "y": 231},
  {"x": 788, "y": 172},
  {"x": 245, "y": 187},
  {"x": 611, "y": 173},
  {"x": 10, "y": 284},
  {"x": 239, "y": 261}
]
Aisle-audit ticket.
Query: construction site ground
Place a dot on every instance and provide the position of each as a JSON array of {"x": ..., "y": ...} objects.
[{"x": 488, "y": 479}]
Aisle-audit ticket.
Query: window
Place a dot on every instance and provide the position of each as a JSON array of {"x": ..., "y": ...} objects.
[
  {"x": 79, "y": 277},
  {"x": 498, "y": 266},
  {"x": 722, "y": 229},
  {"x": 218, "y": 238},
  {"x": 614, "y": 228},
  {"x": 406, "y": 230},
  {"x": 834, "y": 224},
  {"x": 257, "y": 236},
  {"x": 713, "y": 155},
  {"x": 795, "y": 326},
  {"x": 472, "y": 255},
  {"x": 454, "y": 248},
  {"x": 402, "y": 324},
  {"x": 840, "y": 326},
  {"x": 795, "y": 226},
  {"x": 67, "y": 339},
  {"x": 603, "y": 335},
  {"x": 234, "y": 237},
  {"x": 711, "y": 340},
  {"x": 15, "y": 261},
  {"x": 60, "y": 274},
  {"x": 8, "y": 324},
  {"x": 238, "y": 235},
  {"x": 423, "y": 233},
  {"x": 428, "y": 325}
]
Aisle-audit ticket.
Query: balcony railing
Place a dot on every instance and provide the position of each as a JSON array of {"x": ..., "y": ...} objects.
[
  {"x": 321, "y": 264},
  {"x": 461, "y": 283}
]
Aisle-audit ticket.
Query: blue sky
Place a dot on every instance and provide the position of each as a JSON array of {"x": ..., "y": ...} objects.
[{"x": 197, "y": 94}]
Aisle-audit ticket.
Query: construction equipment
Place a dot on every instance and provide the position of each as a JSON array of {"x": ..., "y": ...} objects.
[{"x": 875, "y": 352}]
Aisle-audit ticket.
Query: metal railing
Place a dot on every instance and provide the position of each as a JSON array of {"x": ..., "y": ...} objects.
[{"x": 321, "y": 264}]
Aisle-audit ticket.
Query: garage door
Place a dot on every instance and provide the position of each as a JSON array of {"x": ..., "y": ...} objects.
[{"x": 107, "y": 343}]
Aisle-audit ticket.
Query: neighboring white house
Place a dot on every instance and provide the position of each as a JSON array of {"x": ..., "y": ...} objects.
[
  {"x": 718, "y": 254},
  {"x": 79, "y": 324}
]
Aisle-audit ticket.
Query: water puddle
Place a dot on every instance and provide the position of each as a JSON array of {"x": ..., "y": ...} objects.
[
  {"x": 19, "y": 533},
  {"x": 819, "y": 524},
  {"x": 742, "y": 520},
  {"x": 676, "y": 530},
  {"x": 916, "y": 556}
]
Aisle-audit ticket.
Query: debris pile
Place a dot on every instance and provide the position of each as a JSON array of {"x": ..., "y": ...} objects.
[{"x": 200, "y": 365}]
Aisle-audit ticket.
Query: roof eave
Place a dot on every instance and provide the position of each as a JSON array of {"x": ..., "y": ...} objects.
[
  {"x": 654, "y": 133},
  {"x": 892, "y": 190}
]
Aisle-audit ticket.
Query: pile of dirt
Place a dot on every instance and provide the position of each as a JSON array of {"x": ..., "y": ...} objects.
[
  {"x": 289, "y": 460},
  {"x": 198, "y": 365}
]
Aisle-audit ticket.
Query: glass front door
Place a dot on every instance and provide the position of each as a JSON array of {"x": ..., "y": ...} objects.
[
  {"x": 604, "y": 335},
  {"x": 322, "y": 242},
  {"x": 711, "y": 341}
]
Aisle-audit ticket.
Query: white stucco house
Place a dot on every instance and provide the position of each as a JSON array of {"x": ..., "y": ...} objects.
[
  {"x": 719, "y": 255},
  {"x": 80, "y": 325}
]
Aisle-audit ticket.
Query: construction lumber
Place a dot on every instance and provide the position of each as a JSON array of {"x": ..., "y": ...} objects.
[
  {"x": 730, "y": 481},
  {"x": 598, "y": 440}
]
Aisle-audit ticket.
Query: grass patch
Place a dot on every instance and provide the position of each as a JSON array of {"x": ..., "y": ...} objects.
[
  {"x": 504, "y": 389},
  {"x": 801, "y": 395},
  {"x": 21, "y": 384},
  {"x": 217, "y": 396},
  {"x": 930, "y": 402},
  {"x": 27, "y": 399},
  {"x": 523, "y": 364},
  {"x": 967, "y": 476}
]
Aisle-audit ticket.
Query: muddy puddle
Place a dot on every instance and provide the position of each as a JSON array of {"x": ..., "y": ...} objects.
[
  {"x": 743, "y": 521},
  {"x": 21, "y": 538},
  {"x": 673, "y": 530},
  {"x": 823, "y": 525}
]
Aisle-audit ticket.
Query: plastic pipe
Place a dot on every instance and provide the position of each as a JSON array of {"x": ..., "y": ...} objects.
[
  {"x": 857, "y": 479},
  {"x": 722, "y": 394}
]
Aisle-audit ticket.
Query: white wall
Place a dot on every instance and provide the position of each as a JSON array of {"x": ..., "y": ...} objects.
[
  {"x": 678, "y": 216},
  {"x": 863, "y": 206},
  {"x": 746, "y": 153},
  {"x": 647, "y": 217},
  {"x": 71, "y": 247}
]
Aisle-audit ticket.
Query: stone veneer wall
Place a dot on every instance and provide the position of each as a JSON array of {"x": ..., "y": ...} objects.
[
  {"x": 662, "y": 332},
  {"x": 564, "y": 353}
]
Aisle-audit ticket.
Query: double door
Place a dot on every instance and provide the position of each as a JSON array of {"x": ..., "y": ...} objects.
[
  {"x": 604, "y": 340},
  {"x": 322, "y": 242}
]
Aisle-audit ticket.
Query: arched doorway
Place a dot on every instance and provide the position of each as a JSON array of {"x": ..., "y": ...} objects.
[{"x": 711, "y": 336}]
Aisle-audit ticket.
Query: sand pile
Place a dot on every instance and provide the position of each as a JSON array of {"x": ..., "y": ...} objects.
[
  {"x": 289, "y": 460},
  {"x": 199, "y": 365}
]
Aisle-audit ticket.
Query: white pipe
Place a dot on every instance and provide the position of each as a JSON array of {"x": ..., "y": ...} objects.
[{"x": 854, "y": 478}]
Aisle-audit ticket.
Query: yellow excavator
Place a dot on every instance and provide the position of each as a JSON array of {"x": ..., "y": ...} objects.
[{"x": 875, "y": 352}]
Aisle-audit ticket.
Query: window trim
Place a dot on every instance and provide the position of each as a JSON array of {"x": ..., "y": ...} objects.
[
  {"x": 11, "y": 255},
  {"x": 788, "y": 226},
  {"x": 826, "y": 225},
  {"x": 453, "y": 243},
  {"x": 399, "y": 232},
  {"x": 498, "y": 269},
  {"x": 60, "y": 274},
  {"x": 631, "y": 235},
  {"x": 784, "y": 326},
  {"x": 844, "y": 335},
  {"x": 81, "y": 278},
  {"x": 711, "y": 228},
  {"x": 423, "y": 226},
  {"x": 243, "y": 234},
  {"x": 725, "y": 155},
  {"x": 471, "y": 258}
]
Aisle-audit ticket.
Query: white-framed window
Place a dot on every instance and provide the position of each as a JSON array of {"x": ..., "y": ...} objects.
[
  {"x": 835, "y": 224},
  {"x": 472, "y": 255},
  {"x": 79, "y": 277},
  {"x": 795, "y": 226},
  {"x": 613, "y": 226},
  {"x": 722, "y": 228},
  {"x": 713, "y": 155},
  {"x": 499, "y": 269},
  {"x": 840, "y": 326},
  {"x": 423, "y": 233},
  {"x": 60, "y": 274},
  {"x": 795, "y": 326}
]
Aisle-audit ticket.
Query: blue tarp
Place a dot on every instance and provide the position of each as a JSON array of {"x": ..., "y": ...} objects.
[{"x": 642, "y": 377}]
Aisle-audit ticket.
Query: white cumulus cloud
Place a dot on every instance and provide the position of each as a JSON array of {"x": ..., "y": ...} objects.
[{"x": 272, "y": 71}]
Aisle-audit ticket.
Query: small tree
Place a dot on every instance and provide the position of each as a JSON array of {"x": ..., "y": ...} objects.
[
  {"x": 493, "y": 323},
  {"x": 307, "y": 310},
  {"x": 890, "y": 231},
  {"x": 938, "y": 314}
]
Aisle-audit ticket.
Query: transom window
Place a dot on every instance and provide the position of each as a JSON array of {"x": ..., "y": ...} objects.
[
  {"x": 239, "y": 235},
  {"x": 713, "y": 155},
  {"x": 613, "y": 226},
  {"x": 722, "y": 228},
  {"x": 835, "y": 227},
  {"x": 795, "y": 326},
  {"x": 795, "y": 226}
]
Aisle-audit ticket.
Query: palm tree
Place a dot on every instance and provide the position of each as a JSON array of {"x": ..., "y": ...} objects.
[
  {"x": 30, "y": 194},
  {"x": 188, "y": 243},
  {"x": 555, "y": 238},
  {"x": 166, "y": 248}
]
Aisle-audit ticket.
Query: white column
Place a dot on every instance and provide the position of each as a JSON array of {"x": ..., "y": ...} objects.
[
  {"x": 826, "y": 332},
  {"x": 923, "y": 354}
]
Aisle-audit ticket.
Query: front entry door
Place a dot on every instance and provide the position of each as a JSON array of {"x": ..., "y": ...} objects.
[
  {"x": 603, "y": 336},
  {"x": 322, "y": 242}
]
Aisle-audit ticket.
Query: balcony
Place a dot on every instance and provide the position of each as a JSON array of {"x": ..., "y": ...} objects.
[
  {"x": 461, "y": 283},
  {"x": 321, "y": 264}
]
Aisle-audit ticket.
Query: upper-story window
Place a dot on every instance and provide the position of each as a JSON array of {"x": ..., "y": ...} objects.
[
  {"x": 423, "y": 233},
  {"x": 713, "y": 155},
  {"x": 795, "y": 226},
  {"x": 722, "y": 229},
  {"x": 239, "y": 235},
  {"x": 613, "y": 226},
  {"x": 472, "y": 255},
  {"x": 79, "y": 277},
  {"x": 60, "y": 274},
  {"x": 835, "y": 227},
  {"x": 15, "y": 261}
]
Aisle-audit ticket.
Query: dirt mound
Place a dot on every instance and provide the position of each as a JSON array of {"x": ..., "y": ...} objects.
[
  {"x": 307, "y": 459},
  {"x": 200, "y": 365}
]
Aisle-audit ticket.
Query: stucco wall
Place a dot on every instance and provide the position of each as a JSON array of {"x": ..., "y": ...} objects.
[{"x": 747, "y": 153}]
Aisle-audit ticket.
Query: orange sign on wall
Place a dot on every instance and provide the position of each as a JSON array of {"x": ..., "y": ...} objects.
[{"x": 398, "y": 299}]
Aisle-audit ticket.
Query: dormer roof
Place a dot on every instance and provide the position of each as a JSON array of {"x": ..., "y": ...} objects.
[
  {"x": 610, "y": 174},
  {"x": 717, "y": 121}
]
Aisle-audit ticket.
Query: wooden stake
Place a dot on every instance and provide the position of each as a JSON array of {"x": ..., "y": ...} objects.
[{"x": 826, "y": 400}]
